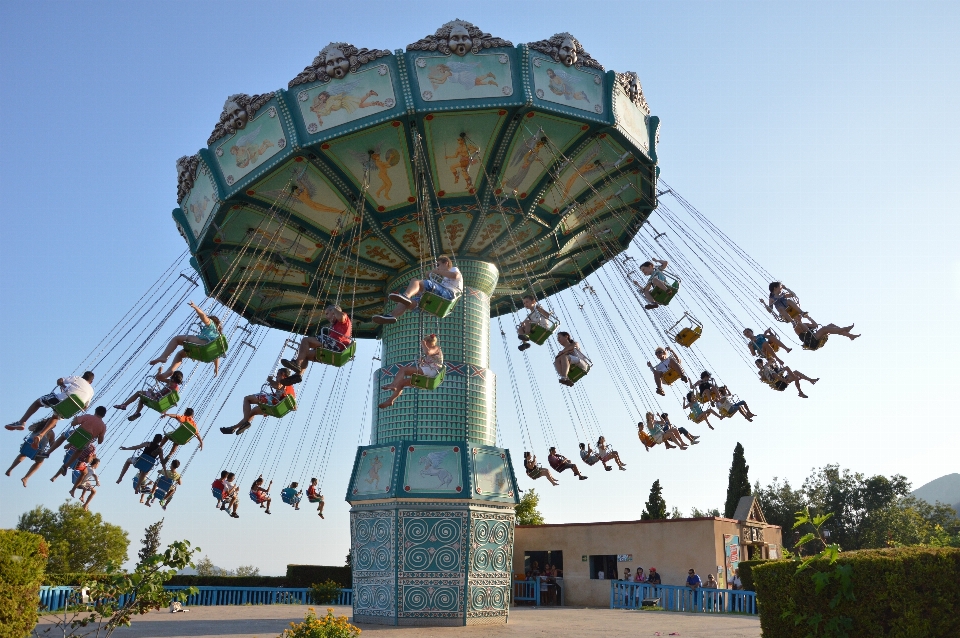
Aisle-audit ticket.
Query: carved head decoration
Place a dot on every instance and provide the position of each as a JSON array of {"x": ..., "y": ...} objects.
[
  {"x": 565, "y": 49},
  {"x": 630, "y": 83},
  {"x": 186, "y": 170},
  {"x": 237, "y": 111},
  {"x": 334, "y": 62},
  {"x": 458, "y": 37}
]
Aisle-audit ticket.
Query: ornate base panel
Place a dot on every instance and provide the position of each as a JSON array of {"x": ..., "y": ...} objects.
[{"x": 431, "y": 563}]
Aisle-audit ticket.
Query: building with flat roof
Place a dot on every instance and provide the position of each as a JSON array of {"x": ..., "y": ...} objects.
[{"x": 590, "y": 554}]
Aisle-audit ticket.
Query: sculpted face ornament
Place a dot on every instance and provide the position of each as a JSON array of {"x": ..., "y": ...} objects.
[
  {"x": 237, "y": 117},
  {"x": 567, "y": 51},
  {"x": 237, "y": 111},
  {"x": 459, "y": 40},
  {"x": 337, "y": 64},
  {"x": 186, "y": 169}
]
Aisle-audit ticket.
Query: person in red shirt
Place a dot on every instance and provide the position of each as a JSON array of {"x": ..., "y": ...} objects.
[
  {"x": 252, "y": 402},
  {"x": 314, "y": 496},
  {"x": 218, "y": 485},
  {"x": 186, "y": 419},
  {"x": 337, "y": 338},
  {"x": 90, "y": 423}
]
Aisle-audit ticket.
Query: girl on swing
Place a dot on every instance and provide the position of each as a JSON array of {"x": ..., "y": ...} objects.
[
  {"x": 569, "y": 355},
  {"x": 697, "y": 413},
  {"x": 765, "y": 345},
  {"x": 534, "y": 470},
  {"x": 814, "y": 335},
  {"x": 656, "y": 280},
  {"x": 210, "y": 332},
  {"x": 779, "y": 377},
  {"x": 261, "y": 495},
  {"x": 170, "y": 383},
  {"x": 450, "y": 287},
  {"x": 429, "y": 365},
  {"x": 784, "y": 301}
]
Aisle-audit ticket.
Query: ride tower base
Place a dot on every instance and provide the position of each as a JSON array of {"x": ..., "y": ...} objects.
[{"x": 432, "y": 528}]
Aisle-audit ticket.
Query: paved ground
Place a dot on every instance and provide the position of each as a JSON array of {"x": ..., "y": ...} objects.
[{"x": 267, "y": 621}]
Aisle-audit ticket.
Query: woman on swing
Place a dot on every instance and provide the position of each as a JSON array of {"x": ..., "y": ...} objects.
[
  {"x": 260, "y": 494},
  {"x": 765, "y": 345},
  {"x": 569, "y": 355},
  {"x": 252, "y": 402},
  {"x": 779, "y": 377},
  {"x": 450, "y": 287},
  {"x": 337, "y": 338},
  {"x": 784, "y": 301},
  {"x": 534, "y": 470},
  {"x": 814, "y": 335},
  {"x": 429, "y": 365},
  {"x": 697, "y": 413},
  {"x": 170, "y": 383},
  {"x": 210, "y": 332},
  {"x": 660, "y": 435}
]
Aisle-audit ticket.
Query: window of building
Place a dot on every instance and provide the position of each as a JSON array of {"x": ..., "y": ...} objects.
[
  {"x": 541, "y": 559},
  {"x": 604, "y": 567}
]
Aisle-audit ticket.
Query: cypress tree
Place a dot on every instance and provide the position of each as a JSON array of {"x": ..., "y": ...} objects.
[
  {"x": 739, "y": 483},
  {"x": 656, "y": 507}
]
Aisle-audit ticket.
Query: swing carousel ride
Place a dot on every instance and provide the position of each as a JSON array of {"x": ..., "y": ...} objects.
[{"x": 463, "y": 179}]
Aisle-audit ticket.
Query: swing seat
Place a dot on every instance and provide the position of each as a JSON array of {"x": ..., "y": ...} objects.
[
  {"x": 68, "y": 407},
  {"x": 164, "y": 403},
  {"x": 75, "y": 476},
  {"x": 428, "y": 383},
  {"x": 79, "y": 439},
  {"x": 287, "y": 405},
  {"x": 664, "y": 297},
  {"x": 646, "y": 439},
  {"x": 181, "y": 435},
  {"x": 145, "y": 488},
  {"x": 687, "y": 336},
  {"x": 27, "y": 450},
  {"x": 145, "y": 463},
  {"x": 792, "y": 312},
  {"x": 290, "y": 496},
  {"x": 575, "y": 373},
  {"x": 208, "y": 352},
  {"x": 334, "y": 358},
  {"x": 256, "y": 499},
  {"x": 436, "y": 305},
  {"x": 819, "y": 345},
  {"x": 164, "y": 483},
  {"x": 693, "y": 417},
  {"x": 539, "y": 334},
  {"x": 66, "y": 457},
  {"x": 217, "y": 494},
  {"x": 670, "y": 376}
]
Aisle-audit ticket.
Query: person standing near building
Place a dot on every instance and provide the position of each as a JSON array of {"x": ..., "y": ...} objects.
[{"x": 654, "y": 577}]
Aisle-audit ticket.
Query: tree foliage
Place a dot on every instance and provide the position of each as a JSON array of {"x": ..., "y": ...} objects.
[
  {"x": 738, "y": 484},
  {"x": 247, "y": 570},
  {"x": 78, "y": 540},
  {"x": 655, "y": 508},
  {"x": 696, "y": 512},
  {"x": 527, "y": 512},
  {"x": 867, "y": 512},
  {"x": 150, "y": 543}
]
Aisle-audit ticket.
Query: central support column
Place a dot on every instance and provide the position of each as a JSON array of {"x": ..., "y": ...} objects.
[{"x": 432, "y": 498}]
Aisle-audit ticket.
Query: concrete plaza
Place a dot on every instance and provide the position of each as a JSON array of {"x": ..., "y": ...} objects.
[{"x": 267, "y": 621}]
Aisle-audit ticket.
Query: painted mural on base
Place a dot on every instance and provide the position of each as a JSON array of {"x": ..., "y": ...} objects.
[
  {"x": 375, "y": 471},
  {"x": 433, "y": 468}
]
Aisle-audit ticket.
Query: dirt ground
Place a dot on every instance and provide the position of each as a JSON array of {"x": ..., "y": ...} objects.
[{"x": 267, "y": 621}]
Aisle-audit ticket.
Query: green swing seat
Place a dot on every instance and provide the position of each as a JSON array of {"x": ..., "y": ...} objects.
[
  {"x": 288, "y": 404},
  {"x": 437, "y": 305},
  {"x": 664, "y": 297},
  {"x": 208, "y": 352},
  {"x": 576, "y": 372},
  {"x": 539, "y": 334},
  {"x": 68, "y": 407},
  {"x": 337, "y": 359},
  {"x": 181, "y": 434},
  {"x": 79, "y": 439},
  {"x": 164, "y": 403},
  {"x": 428, "y": 383}
]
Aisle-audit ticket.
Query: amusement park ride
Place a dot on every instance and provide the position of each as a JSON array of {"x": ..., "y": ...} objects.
[{"x": 529, "y": 168}]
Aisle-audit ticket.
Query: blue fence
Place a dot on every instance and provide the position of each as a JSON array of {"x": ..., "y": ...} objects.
[
  {"x": 56, "y": 598},
  {"x": 626, "y": 595},
  {"x": 526, "y": 591}
]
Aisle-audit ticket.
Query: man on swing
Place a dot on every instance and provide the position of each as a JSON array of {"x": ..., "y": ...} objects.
[
  {"x": 337, "y": 338},
  {"x": 450, "y": 287}
]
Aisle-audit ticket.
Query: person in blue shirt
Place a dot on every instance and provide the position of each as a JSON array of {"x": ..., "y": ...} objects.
[
  {"x": 693, "y": 581},
  {"x": 210, "y": 332}
]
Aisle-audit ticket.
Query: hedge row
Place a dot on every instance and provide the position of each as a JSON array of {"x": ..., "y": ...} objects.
[
  {"x": 307, "y": 575},
  {"x": 745, "y": 570},
  {"x": 72, "y": 579},
  {"x": 23, "y": 559},
  {"x": 230, "y": 581},
  {"x": 907, "y": 592}
]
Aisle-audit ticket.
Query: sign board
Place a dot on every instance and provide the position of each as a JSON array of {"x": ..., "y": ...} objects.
[{"x": 624, "y": 558}]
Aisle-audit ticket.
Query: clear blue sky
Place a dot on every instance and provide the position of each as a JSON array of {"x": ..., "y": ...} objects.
[{"x": 821, "y": 136}]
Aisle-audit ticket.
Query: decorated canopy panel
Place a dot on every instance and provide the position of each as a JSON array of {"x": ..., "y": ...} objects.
[{"x": 371, "y": 163}]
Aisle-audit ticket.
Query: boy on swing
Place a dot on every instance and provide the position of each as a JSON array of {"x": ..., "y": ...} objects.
[
  {"x": 314, "y": 496},
  {"x": 538, "y": 316},
  {"x": 252, "y": 402},
  {"x": 337, "y": 338},
  {"x": 450, "y": 287},
  {"x": 656, "y": 280}
]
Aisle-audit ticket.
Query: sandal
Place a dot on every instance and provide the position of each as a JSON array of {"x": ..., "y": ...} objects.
[
  {"x": 651, "y": 306},
  {"x": 133, "y": 417},
  {"x": 243, "y": 428},
  {"x": 661, "y": 392}
]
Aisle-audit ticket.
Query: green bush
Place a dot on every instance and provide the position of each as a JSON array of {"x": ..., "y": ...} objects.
[
  {"x": 230, "y": 581},
  {"x": 906, "y": 592},
  {"x": 73, "y": 579},
  {"x": 325, "y": 593},
  {"x": 745, "y": 569},
  {"x": 328, "y": 626},
  {"x": 306, "y": 575},
  {"x": 23, "y": 558}
]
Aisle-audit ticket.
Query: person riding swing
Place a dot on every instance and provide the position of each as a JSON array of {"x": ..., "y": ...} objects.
[
  {"x": 657, "y": 280},
  {"x": 255, "y": 404},
  {"x": 560, "y": 463},
  {"x": 765, "y": 345},
  {"x": 534, "y": 470},
  {"x": 74, "y": 396},
  {"x": 779, "y": 377},
  {"x": 814, "y": 336},
  {"x": 449, "y": 288},
  {"x": 170, "y": 383},
  {"x": 569, "y": 357},
  {"x": 429, "y": 365},
  {"x": 336, "y": 339},
  {"x": 668, "y": 369},
  {"x": 211, "y": 331},
  {"x": 539, "y": 316}
]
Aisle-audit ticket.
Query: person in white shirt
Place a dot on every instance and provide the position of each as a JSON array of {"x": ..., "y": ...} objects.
[
  {"x": 668, "y": 360},
  {"x": 230, "y": 492},
  {"x": 589, "y": 456},
  {"x": 539, "y": 316},
  {"x": 87, "y": 483},
  {"x": 79, "y": 386},
  {"x": 450, "y": 288}
]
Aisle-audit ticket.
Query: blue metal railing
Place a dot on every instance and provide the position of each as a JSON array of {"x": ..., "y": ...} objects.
[
  {"x": 526, "y": 590},
  {"x": 626, "y": 595},
  {"x": 56, "y": 598}
]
